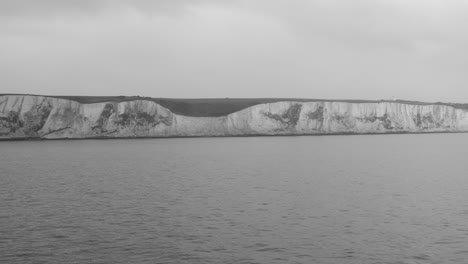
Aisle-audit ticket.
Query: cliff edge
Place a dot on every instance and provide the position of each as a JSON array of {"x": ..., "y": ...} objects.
[{"x": 48, "y": 117}]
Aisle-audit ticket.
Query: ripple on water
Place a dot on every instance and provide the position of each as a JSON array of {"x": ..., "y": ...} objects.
[{"x": 266, "y": 200}]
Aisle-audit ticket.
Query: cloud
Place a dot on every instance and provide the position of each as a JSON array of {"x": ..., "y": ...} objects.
[
  {"x": 368, "y": 49},
  {"x": 50, "y": 8}
]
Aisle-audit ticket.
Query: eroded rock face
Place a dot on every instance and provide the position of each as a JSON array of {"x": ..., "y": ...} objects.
[
  {"x": 46, "y": 117},
  {"x": 27, "y": 123},
  {"x": 317, "y": 114},
  {"x": 34, "y": 119},
  {"x": 287, "y": 118},
  {"x": 10, "y": 123}
]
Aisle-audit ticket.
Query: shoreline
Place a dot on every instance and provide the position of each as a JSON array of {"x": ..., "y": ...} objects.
[{"x": 231, "y": 136}]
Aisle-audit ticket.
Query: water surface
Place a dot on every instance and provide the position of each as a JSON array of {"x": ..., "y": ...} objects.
[{"x": 327, "y": 199}]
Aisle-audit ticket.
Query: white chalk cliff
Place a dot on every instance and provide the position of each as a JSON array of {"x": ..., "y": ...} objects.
[{"x": 28, "y": 116}]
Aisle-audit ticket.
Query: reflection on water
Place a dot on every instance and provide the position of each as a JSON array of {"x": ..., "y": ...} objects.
[{"x": 328, "y": 199}]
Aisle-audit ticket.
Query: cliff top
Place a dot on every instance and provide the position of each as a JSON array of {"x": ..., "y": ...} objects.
[{"x": 220, "y": 106}]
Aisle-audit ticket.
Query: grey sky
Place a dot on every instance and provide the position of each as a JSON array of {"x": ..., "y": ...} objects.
[{"x": 369, "y": 49}]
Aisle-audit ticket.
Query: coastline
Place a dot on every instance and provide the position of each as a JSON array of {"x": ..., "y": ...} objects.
[
  {"x": 28, "y": 117},
  {"x": 233, "y": 136}
]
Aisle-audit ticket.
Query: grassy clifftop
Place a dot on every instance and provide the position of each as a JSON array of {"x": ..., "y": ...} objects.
[{"x": 220, "y": 106}]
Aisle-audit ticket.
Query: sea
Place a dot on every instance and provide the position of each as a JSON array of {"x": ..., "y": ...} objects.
[{"x": 307, "y": 199}]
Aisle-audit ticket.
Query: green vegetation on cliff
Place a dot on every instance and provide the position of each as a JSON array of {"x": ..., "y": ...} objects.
[{"x": 220, "y": 106}]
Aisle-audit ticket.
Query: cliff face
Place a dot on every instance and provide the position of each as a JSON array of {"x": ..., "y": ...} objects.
[{"x": 24, "y": 116}]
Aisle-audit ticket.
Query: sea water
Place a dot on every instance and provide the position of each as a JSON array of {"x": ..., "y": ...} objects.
[{"x": 310, "y": 199}]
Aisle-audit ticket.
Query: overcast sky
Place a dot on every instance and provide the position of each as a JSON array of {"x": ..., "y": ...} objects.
[{"x": 368, "y": 49}]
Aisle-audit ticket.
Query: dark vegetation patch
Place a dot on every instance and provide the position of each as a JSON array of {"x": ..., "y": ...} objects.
[
  {"x": 145, "y": 118},
  {"x": 10, "y": 123},
  {"x": 35, "y": 118},
  {"x": 125, "y": 119},
  {"x": 368, "y": 119},
  {"x": 427, "y": 121},
  {"x": 223, "y": 106},
  {"x": 32, "y": 122},
  {"x": 343, "y": 119},
  {"x": 66, "y": 114},
  {"x": 317, "y": 114},
  {"x": 142, "y": 119},
  {"x": 289, "y": 117},
  {"x": 417, "y": 120},
  {"x": 386, "y": 121},
  {"x": 105, "y": 114}
]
